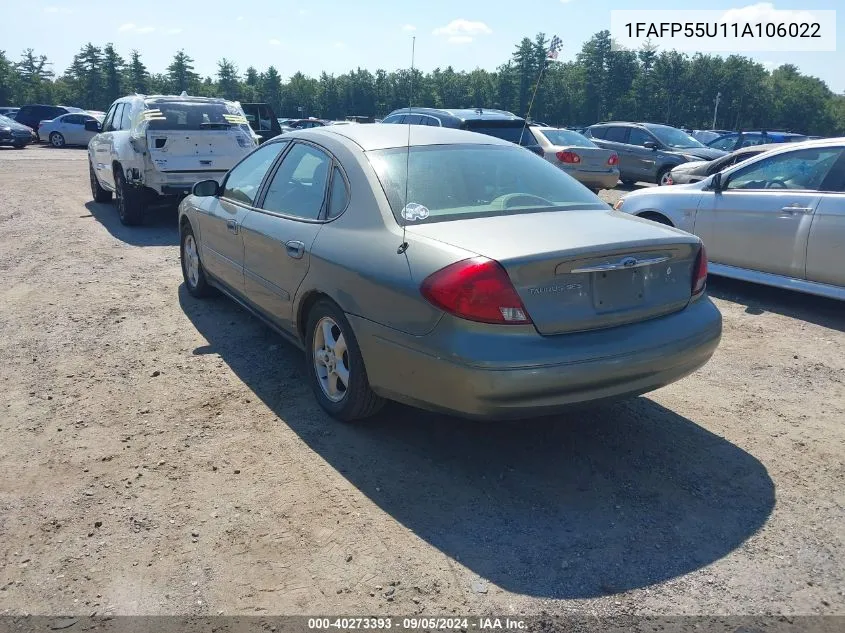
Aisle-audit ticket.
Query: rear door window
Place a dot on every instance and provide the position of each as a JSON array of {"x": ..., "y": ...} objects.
[
  {"x": 298, "y": 188},
  {"x": 616, "y": 134}
]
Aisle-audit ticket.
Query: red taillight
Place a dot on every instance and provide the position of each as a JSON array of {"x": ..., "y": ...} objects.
[
  {"x": 699, "y": 273},
  {"x": 613, "y": 160},
  {"x": 568, "y": 157},
  {"x": 476, "y": 289}
]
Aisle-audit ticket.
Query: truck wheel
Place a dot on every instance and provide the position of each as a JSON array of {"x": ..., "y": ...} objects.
[
  {"x": 130, "y": 202},
  {"x": 97, "y": 192}
]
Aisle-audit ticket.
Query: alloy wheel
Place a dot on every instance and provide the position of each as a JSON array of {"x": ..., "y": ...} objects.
[{"x": 331, "y": 359}]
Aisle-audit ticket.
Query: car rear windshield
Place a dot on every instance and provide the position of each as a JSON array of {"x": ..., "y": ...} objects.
[
  {"x": 567, "y": 138},
  {"x": 190, "y": 115},
  {"x": 455, "y": 182},
  {"x": 507, "y": 131}
]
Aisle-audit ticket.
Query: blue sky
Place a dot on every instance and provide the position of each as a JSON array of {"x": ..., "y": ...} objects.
[{"x": 336, "y": 36}]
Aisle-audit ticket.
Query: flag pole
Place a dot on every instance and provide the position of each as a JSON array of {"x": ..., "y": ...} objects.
[{"x": 550, "y": 55}]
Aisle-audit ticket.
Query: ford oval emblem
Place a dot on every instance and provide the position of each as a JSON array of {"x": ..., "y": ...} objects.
[{"x": 628, "y": 262}]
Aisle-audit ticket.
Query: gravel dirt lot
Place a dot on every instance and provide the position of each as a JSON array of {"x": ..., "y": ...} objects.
[{"x": 162, "y": 455}]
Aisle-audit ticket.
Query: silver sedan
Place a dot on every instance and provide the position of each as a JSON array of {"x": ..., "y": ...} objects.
[
  {"x": 578, "y": 156},
  {"x": 456, "y": 272},
  {"x": 776, "y": 219},
  {"x": 68, "y": 129}
]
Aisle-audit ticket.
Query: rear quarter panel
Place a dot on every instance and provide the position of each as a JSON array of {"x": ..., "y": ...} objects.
[{"x": 354, "y": 260}]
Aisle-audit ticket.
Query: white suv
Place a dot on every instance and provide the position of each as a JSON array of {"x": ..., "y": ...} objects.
[{"x": 149, "y": 147}]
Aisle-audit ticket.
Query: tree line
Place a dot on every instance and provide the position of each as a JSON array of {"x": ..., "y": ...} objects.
[{"x": 600, "y": 84}]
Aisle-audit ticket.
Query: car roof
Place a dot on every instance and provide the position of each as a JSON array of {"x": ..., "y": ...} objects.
[
  {"x": 751, "y": 149},
  {"x": 463, "y": 114},
  {"x": 373, "y": 137},
  {"x": 778, "y": 148}
]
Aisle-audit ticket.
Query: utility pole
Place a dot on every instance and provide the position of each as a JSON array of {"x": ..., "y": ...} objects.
[{"x": 716, "y": 109}]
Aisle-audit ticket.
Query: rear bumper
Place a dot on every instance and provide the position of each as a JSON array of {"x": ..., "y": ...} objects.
[
  {"x": 596, "y": 180},
  {"x": 574, "y": 368}
]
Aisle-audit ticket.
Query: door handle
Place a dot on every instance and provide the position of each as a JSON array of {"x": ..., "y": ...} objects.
[
  {"x": 232, "y": 225},
  {"x": 295, "y": 249},
  {"x": 794, "y": 209}
]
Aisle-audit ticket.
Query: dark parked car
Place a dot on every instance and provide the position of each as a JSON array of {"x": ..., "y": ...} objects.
[
  {"x": 737, "y": 140},
  {"x": 262, "y": 120},
  {"x": 14, "y": 134},
  {"x": 498, "y": 123},
  {"x": 9, "y": 111},
  {"x": 696, "y": 171},
  {"x": 648, "y": 151},
  {"x": 32, "y": 115}
]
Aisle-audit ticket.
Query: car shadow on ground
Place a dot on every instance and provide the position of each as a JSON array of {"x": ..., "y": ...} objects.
[
  {"x": 759, "y": 299},
  {"x": 595, "y": 502},
  {"x": 160, "y": 227}
]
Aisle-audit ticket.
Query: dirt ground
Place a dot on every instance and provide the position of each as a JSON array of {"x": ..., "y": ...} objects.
[{"x": 162, "y": 455}]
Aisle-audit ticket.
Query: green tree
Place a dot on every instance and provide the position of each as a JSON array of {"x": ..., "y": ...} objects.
[
  {"x": 113, "y": 73},
  {"x": 137, "y": 77},
  {"x": 181, "y": 75},
  {"x": 228, "y": 84}
]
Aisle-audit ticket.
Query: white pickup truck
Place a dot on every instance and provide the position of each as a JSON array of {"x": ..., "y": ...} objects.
[{"x": 150, "y": 148}]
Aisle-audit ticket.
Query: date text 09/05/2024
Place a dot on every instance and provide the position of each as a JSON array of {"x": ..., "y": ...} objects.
[
  {"x": 416, "y": 623},
  {"x": 722, "y": 29}
]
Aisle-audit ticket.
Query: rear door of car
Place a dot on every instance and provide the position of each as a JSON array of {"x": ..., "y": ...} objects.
[
  {"x": 826, "y": 245},
  {"x": 279, "y": 234},
  {"x": 72, "y": 127},
  {"x": 642, "y": 160}
]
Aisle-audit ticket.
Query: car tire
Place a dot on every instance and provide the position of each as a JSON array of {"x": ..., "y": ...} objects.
[
  {"x": 628, "y": 182},
  {"x": 97, "y": 192},
  {"x": 661, "y": 176},
  {"x": 192, "y": 270},
  {"x": 326, "y": 330},
  {"x": 57, "y": 139},
  {"x": 19, "y": 145},
  {"x": 130, "y": 202}
]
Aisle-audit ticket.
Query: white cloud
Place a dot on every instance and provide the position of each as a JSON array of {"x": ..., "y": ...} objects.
[
  {"x": 409, "y": 27},
  {"x": 175, "y": 31},
  {"x": 274, "y": 42},
  {"x": 64, "y": 10},
  {"x": 303, "y": 12},
  {"x": 127, "y": 27},
  {"x": 566, "y": 1},
  {"x": 240, "y": 18},
  {"x": 145, "y": 29},
  {"x": 765, "y": 12},
  {"x": 339, "y": 44},
  {"x": 463, "y": 31}
]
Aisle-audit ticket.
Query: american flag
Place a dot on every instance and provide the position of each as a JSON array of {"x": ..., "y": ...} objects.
[{"x": 554, "y": 47}]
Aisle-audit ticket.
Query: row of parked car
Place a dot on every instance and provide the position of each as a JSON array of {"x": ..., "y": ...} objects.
[{"x": 415, "y": 261}]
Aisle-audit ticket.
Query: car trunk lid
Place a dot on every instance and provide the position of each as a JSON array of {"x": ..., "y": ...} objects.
[
  {"x": 591, "y": 158},
  {"x": 581, "y": 270},
  {"x": 197, "y": 150}
]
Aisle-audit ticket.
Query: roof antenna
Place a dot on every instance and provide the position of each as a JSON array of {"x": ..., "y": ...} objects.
[
  {"x": 554, "y": 49},
  {"x": 404, "y": 245}
]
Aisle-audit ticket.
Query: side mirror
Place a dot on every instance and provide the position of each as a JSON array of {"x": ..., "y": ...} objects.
[
  {"x": 93, "y": 126},
  {"x": 650, "y": 145},
  {"x": 716, "y": 182},
  {"x": 206, "y": 188}
]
